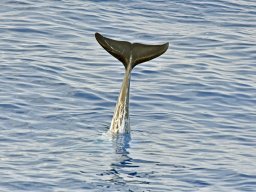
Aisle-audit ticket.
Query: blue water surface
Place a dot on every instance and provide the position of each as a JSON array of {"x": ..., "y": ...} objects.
[{"x": 193, "y": 110}]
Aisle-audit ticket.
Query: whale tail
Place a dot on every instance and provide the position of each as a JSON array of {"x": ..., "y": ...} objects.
[{"x": 131, "y": 53}]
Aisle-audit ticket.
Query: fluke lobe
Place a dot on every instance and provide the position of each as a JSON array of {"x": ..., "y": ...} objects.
[{"x": 130, "y": 54}]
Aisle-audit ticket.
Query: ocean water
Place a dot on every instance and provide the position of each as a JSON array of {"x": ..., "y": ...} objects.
[{"x": 193, "y": 110}]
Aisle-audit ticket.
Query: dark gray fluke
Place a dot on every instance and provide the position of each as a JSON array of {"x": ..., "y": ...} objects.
[{"x": 130, "y": 54}]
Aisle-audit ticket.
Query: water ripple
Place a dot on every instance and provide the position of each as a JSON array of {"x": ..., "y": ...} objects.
[{"x": 192, "y": 109}]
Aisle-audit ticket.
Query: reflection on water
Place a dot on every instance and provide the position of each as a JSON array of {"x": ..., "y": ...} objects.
[
  {"x": 120, "y": 161},
  {"x": 124, "y": 172},
  {"x": 121, "y": 143}
]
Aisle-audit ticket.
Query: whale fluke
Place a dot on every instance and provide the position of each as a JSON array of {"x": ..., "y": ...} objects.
[{"x": 131, "y": 53}]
